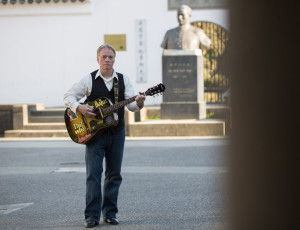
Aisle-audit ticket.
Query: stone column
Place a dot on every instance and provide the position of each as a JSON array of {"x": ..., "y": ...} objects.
[{"x": 183, "y": 78}]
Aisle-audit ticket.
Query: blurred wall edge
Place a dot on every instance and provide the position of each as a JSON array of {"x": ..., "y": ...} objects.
[{"x": 264, "y": 152}]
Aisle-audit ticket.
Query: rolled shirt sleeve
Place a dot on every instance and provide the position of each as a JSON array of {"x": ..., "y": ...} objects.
[
  {"x": 129, "y": 92},
  {"x": 78, "y": 91}
]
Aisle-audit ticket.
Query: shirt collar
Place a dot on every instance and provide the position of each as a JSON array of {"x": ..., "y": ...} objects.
[{"x": 106, "y": 79}]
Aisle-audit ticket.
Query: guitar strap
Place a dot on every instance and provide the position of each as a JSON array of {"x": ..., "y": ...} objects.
[{"x": 116, "y": 90}]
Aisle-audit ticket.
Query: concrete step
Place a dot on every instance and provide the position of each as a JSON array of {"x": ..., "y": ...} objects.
[
  {"x": 45, "y": 126},
  {"x": 208, "y": 127},
  {"x": 48, "y": 112},
  {"x": 45, "y": 119},
  {"x": 150, "y": 128},
  {"x": 36, "y": 133},
  {"x": 217, "y": 106},
  {"x": 218, "y": 111},
  {"x": 54, "y": 115}
]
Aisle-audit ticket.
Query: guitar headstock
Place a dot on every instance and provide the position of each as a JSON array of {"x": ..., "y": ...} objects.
[{"x": 160, "y": 88}]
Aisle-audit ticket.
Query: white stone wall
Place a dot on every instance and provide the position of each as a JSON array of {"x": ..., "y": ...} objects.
[{"x": 45, "y": 48}]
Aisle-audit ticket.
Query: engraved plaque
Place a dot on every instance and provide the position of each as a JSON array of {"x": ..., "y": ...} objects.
[
  {"x": 180, "y": 75},
  {"x": 118, "y": 41},
  {"x": 183, "y": 77}
]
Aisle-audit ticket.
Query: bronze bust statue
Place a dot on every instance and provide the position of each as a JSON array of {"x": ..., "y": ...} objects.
[{"x": 185, "y": 36}]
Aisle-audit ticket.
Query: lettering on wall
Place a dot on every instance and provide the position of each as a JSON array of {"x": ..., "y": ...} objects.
[{"x": 141, "y": 50}]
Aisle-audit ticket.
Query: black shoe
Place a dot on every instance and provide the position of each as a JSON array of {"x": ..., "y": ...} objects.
[
  {"x": 112, "y": 220},
  {"x": 90, "y": 224}
]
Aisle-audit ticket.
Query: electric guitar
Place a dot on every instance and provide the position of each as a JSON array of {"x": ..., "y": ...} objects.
[{"x": 83, "y": 130}]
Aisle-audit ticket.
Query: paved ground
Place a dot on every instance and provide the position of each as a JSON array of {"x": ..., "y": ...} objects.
[{"x": 167, "y": 184}]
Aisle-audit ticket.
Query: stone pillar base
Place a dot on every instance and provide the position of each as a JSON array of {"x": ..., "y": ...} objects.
[
  {"x": 183, "y": 78},
  {"x": 13, "y": 116},
  {"x": 183, "y": 110}
]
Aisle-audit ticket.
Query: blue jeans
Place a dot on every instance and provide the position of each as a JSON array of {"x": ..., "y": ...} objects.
[{"x": 109, "y": 146}]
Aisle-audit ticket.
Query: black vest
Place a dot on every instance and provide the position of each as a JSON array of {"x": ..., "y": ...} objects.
[{"x": 99, "y": 89}]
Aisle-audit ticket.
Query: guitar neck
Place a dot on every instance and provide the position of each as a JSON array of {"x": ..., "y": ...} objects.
[
  {"x": 150, "y": 92},
  {"x": 118, "y": 105}
]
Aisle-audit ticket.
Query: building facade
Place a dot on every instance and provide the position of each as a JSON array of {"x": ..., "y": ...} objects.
[{"x": 46, "y": 46}]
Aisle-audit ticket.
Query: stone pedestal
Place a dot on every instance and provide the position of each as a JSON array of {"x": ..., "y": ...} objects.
[{"x": 183, "y": 78}]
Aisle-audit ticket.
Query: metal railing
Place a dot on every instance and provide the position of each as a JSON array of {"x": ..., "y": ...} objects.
[{"x": 216, "y": 79}]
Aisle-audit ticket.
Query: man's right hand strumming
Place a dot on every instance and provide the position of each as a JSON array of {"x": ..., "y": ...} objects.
[{"x": 86, "y": 110}]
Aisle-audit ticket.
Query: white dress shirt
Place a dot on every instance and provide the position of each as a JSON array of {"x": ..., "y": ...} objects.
[{"x": 84, "y": 87}]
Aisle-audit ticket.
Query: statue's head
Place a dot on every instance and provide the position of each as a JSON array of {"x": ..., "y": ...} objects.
[{"x": 184, "y": 13}]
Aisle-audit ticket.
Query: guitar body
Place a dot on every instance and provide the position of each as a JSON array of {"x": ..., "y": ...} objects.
[{"x": 82, "y": 129}]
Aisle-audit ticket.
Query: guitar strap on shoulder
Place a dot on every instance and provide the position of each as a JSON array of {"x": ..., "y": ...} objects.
[{"x": 116, "y": 90}]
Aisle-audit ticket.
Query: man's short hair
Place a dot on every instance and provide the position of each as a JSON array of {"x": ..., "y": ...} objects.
[
  {"x": 180, "y": 8},
  {"x": 105, "y": 46}
]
